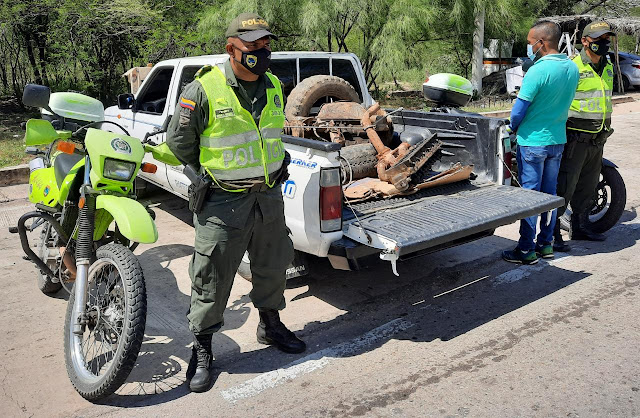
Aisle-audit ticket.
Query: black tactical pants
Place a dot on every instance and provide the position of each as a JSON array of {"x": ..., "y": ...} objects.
[{"x": 580, "y": 170}]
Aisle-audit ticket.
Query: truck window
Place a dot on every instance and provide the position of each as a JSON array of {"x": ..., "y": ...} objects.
[
  {"x": 285, "y": 70},
  {"x": 313, "y": 66},
  {"x": 344, "y": 69},
  {"x": 187, "y": 76},
  {"x": 154, "y": 96}
]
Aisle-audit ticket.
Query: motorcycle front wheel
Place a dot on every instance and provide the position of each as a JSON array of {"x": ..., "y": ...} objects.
[{"x": 100, "y": 360}]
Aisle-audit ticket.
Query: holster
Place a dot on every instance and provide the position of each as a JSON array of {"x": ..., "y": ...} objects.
[
  {"x": 199, "y": 188},
  {"x": 602, "y": 137}
]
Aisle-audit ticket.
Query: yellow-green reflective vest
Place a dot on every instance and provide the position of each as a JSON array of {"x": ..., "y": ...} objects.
[
  {"x": 232, "y": 147},
  {"x": 591, "y": 106}
]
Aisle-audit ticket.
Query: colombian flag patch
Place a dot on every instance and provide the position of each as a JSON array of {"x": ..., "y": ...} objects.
[{"x": 187, "y": 104}]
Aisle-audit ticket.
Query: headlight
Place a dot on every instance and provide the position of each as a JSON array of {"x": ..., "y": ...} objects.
[{"x": 118, "y": 169}]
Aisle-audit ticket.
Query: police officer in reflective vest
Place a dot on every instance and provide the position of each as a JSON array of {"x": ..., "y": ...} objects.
[
  {"x": 228, "y": 123},
  {"x": 588, "y": 127}
]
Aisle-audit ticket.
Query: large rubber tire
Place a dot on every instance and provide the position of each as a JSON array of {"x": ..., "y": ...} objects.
[
  {"x": 361, "y": 161},
  {"x": 314, "y": 88},
  {"x": 612, "y": 185},
  {"x": 125, "y": 284},
  {"x": 615, "y": 191}
]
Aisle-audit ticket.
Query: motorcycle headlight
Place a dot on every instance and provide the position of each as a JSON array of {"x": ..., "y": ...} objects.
[{"x": 118, "y": 169}]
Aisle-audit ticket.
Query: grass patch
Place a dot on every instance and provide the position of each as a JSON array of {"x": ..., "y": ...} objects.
[{"x": 12, "y": 135}]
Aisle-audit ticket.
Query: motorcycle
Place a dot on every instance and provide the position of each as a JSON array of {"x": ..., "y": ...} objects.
[
  {"x": 82, "y": 186},
  {"x": 611, "y": 198}
]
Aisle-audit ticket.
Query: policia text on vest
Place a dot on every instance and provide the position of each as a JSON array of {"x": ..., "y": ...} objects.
[
  {"x": 591, "y": 108},
  {"x": 232, "y": 147}
]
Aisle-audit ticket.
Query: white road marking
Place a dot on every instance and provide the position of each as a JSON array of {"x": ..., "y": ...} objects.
[{"x": 313, "y": 362}]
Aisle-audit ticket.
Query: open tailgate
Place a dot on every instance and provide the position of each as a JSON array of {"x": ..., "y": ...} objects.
[{"x": 405, "y": 225}]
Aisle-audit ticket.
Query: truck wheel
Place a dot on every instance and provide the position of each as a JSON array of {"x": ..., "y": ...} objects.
[
  {"x": 610, "y": 202},
  {"x": 360, "y": 161},
  {"x": 244, "y": 269},
  {"x": 314, "y": 91}
]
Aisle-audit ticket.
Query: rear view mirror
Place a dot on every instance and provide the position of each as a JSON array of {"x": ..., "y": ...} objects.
[
  {"x": 125, "y": 101},
  {"x": 36, "y": 95}
]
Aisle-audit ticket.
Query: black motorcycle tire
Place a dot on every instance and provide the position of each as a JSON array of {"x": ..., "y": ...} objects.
[
  {"x": 133, "y": 319},
  {"x": 611, "y": 178}
]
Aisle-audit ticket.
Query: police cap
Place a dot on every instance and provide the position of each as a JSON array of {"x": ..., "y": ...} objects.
[
  {"x": 597, "y": 29},
  {"x": 249, "y": 27}
]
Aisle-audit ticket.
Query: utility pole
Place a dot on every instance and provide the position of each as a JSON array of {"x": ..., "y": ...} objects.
[{"x": 478, "y": 46}]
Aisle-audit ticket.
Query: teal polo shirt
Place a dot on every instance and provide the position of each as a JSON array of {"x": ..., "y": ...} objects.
[{"x": 549, "y": 86}]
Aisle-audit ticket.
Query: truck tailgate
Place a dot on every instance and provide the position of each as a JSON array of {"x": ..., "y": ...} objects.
[{"x": 435, "y": 217}]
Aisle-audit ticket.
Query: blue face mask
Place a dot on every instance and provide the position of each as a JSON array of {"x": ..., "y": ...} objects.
[{"x": 533, "y": 55}]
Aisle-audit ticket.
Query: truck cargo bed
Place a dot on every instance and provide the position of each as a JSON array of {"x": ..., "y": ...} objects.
[{"x": 447, "y": 214}]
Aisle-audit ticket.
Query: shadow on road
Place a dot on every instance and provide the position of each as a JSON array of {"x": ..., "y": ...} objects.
[{"x": 438, "y": 303}]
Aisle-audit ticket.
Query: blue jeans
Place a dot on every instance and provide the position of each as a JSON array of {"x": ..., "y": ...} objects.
[{"x": 538, "y": 170}]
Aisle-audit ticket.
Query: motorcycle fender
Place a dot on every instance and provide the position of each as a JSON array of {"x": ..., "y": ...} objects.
[
  {"x": 133, "y": 220},
  {"x": 608, "y": 163}
]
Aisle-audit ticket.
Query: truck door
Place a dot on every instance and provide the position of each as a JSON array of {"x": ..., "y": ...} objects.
[
  {"x": 178, "y": 181},
  {"x": 149, "y": 112}
]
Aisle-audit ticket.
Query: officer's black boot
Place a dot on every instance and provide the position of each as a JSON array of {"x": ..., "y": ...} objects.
[
  {"x": 580, "y": 228},
  {"x": 200, "y": 360},
  {"x": 558, "y": 242},
  {"x": 272, "y": 331}
]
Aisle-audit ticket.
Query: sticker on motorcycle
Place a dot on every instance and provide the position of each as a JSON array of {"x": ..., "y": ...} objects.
[{"x": 121, "y": 146}]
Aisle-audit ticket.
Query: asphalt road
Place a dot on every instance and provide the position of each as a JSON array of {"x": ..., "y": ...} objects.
[{"x": 459, "y": 333}]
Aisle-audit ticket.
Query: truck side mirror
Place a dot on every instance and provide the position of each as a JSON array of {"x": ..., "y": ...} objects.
[
  {"x": 126, "y": 101},
  {"x": 36, "y": 95}
]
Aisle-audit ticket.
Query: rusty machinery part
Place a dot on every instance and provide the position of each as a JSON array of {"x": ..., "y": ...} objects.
[
  {"x": 402, "y": 173},
  {"x": 341, "y": 122},
  {"x": 313, "y": 92}
]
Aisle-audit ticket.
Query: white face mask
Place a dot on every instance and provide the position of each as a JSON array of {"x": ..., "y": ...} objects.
[{"x": 533, "y": 55}]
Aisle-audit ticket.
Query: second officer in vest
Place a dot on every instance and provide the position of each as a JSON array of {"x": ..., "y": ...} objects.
[
  {"x": 588, "y": 127},
  {"x": 228, "y": 124}
]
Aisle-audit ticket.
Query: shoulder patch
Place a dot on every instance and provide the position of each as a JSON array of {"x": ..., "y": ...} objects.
[
  {"x": 202, "y": 71},
  {"x": 187, "y": 104}
]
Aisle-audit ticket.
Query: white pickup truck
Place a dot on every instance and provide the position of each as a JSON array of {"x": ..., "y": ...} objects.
[{"x": 352, "y": 234}]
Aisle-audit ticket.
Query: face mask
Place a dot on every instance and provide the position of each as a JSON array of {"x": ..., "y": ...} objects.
[
  {"x": 600, "y": 47},
  {"x": 533, "y": 55},
  {"x": 255, "y": 61}
]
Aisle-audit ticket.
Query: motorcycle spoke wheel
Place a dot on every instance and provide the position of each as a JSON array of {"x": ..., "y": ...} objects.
[{"x": 100, "y": 360}]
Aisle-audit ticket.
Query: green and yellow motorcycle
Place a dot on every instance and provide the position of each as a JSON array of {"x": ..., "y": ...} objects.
[{"x": 81, "y": 183}]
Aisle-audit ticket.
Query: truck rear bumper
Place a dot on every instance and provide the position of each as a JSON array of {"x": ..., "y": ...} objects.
[{"x": 347, "y": 254}]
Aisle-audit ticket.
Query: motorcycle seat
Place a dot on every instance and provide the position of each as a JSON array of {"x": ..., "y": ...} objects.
[{"x": 63, "y": 164}]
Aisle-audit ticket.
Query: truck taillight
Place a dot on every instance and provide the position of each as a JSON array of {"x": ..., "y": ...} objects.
[{"x": 330, "y": 200}]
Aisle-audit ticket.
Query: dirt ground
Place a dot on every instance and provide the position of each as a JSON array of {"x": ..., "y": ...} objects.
[{"x": 459, "y": 333}]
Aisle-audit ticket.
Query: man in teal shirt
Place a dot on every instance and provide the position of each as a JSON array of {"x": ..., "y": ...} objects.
[{"x": 539, "y": 119}]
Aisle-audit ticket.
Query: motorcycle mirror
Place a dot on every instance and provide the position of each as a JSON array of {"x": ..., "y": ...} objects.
[
  {"x": 36, "y": 95},
  {"x": 126, "y": 101}
]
